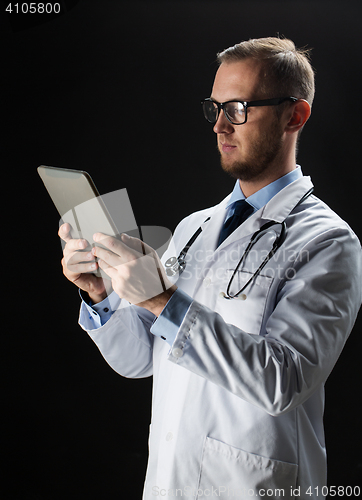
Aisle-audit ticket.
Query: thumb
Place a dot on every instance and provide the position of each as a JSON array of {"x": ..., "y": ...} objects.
[
  {"x": 136, "y": 244},
  {"x": 64, "y": 232}
]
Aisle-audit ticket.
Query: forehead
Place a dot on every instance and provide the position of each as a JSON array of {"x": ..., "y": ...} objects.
[{"x": 237, "y": 80}]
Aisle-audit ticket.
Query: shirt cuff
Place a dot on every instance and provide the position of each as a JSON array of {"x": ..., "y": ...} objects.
[
  {"x": 169, "y": 321},
  {"x": 94, "y": 316}
]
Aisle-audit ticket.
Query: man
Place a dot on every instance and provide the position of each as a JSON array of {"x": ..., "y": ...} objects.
[{"x": 240, "y": 345}]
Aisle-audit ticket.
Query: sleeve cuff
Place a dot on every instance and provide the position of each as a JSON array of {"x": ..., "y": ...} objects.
[
  {"x": 169, "y": 321},
  {"x": 93, "y": 316}
]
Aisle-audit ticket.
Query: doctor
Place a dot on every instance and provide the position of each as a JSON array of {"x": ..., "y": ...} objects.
[{"x": 238, "y": 392}]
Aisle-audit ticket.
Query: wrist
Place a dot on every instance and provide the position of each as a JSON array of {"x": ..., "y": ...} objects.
[
  {"x": 96, "y": 298},
  {"x": 99, "y": 293},
  {"x": 157, "y": 304}
]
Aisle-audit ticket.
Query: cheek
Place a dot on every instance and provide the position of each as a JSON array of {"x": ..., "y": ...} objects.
[
  {"x": 245, "y": 138},
  {"x": 254, "y": 136}
]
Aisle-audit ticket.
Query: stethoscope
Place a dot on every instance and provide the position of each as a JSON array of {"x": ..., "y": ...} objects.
[{"x": 176, "y": 265}]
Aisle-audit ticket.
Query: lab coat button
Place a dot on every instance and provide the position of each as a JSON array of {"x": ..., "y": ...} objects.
[
  {"x": 169, "y": 436},
  {"x": 207, "y": 282},
  {"x": 177, "y": 352}
]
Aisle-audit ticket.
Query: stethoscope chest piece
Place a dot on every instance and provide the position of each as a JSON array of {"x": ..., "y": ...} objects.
[{"x": 174, "y": 266}]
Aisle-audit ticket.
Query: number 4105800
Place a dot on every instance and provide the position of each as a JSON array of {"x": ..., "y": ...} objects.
[
  {"x": 33, "y": 8},
  {"x": 333, "y": 491}
]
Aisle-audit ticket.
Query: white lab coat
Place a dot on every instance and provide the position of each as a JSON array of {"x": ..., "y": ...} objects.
[{"x": 238, "y": 400}]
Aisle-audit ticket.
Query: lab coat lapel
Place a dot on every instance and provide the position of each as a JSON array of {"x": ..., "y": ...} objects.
[
  {"x": 280, "y": 206},
  {"x": 208, "y": 241},
  {"x": 211, "y": 230},
  {"x": 277, "y": 209}
]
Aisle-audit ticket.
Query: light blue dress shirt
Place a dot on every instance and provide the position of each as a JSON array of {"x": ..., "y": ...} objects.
[{"x": 168, "y": 323}]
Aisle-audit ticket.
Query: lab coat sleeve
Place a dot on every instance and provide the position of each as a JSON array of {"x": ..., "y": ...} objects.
[
  {"x": 93, "y": 316},
  {"x": 168, "y": 323},
  {"x": 313, "y": 315},
  {"x": 125, "y": 340}
]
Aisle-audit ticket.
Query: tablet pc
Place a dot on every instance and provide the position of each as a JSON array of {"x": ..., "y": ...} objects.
[{"x": 79, "y": 203}]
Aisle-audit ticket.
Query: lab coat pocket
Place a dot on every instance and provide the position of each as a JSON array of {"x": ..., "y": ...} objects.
[
  {"x": 247, "y": 310},
  {"x": 228, "y": 472}
]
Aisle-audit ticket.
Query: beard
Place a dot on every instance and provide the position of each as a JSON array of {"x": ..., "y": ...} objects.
[{"x": 263, "y": 155}]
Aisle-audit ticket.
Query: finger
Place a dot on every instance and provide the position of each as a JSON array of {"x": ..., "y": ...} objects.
[
  {"x": 125, "y": 243},
  {"x": 109, "y": 242},
  {"x": 64, "y": 232},
  {"x": 87, "y": 281},
  {"x": 72, "y": 244},
  {"x": 80, "y": 246},
  {"x": 115, "y": 248},
  {"x": 109, "y": 270},
  {"x": 108, "y": 257},
  {"x": 76, "y": 253},
  {"x": 75, "y": 267},
  {"x": 136, "y": 244}
]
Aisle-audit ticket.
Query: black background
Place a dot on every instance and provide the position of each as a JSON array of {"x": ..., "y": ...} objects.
[{"x": 113, "y": 87}]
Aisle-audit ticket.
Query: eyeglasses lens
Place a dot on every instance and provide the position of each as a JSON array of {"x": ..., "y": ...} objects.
[
  {"x": 210, "y": 111},
  {"x": 235, "y": 111}
]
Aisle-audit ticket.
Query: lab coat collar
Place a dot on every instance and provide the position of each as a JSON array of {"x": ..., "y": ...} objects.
[
  {"x": 280, "y": 206},
  {"x": 277, "y": 209},
  {"x": 258, "y": 199}
]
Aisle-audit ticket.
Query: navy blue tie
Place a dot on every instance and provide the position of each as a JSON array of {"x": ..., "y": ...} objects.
[{"x": 242, "y": 211}]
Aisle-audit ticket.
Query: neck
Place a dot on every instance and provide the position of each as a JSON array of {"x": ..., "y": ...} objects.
[{"x": 276, "y": 171}]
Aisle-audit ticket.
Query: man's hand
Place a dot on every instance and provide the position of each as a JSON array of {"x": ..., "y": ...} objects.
[
  {"x": 79, "y": 264},
  {"x": 135, "y": 270}
]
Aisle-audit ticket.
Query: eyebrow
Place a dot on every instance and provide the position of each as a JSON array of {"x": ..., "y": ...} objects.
[{"x": 234, "y": 99}]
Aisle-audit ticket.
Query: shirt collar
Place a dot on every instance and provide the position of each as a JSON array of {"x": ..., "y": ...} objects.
[{"x": 265, "y": 194}]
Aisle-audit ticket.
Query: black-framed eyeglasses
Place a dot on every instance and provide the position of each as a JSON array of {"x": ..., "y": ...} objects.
[{"x": 236, "y": 112}]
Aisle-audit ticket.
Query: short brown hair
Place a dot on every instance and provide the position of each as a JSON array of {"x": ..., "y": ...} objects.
[{"x": 287, "y": 70}]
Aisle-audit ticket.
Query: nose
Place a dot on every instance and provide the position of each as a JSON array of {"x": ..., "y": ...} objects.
[{"x": 222, "y": 125}]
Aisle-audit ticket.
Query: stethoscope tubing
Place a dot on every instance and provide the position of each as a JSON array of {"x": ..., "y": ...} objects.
[
  {"x": 175, "y": 265},
  {"x": 276, "y": 245}
]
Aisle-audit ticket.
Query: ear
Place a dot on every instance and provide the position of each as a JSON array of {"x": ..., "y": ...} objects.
[{"x": 301, "y": 113}]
